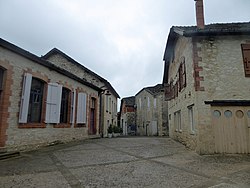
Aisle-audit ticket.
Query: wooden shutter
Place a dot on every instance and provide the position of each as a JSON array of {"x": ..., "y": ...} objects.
[
  {"x": 24, "y": 107},
  {"x": 246, "y": 58},
  {"x": 73, "y": 104},
  {"x": 168, "y": 93},
  {"x": 81, "y": 108},
  {"x": 53, "y": 104}
]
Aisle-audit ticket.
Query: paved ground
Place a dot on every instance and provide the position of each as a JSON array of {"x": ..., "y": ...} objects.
[{"x": 123, "y": 162}]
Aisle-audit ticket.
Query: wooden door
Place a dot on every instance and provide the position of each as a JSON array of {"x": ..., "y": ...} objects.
[{"x": 231, "y": 129}]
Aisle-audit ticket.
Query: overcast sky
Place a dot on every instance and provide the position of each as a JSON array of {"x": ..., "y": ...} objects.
[{"x": 121, "y": 40}]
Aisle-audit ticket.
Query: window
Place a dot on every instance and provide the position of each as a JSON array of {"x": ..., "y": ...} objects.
[
  {"x": 177, "y": 121},
  {"x": 148, "y": 102},
  {"x": 35, "y": 102},
  {"x": 93, "y": 101},
  {"x": 246, "y": 58},
  {"x": 182, "y": 75},
  {"x": 191, "y": 118},
  {"x": 140, "y": 102},
  {"x": 154, "y": 102},
  {"x": 107, "y": 103},
  {"x": 31, "y": 100},
  {"x": 64, "y": 106}
]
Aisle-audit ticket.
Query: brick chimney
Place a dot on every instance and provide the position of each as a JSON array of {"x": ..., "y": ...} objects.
[{"x": 199, "y": 14}]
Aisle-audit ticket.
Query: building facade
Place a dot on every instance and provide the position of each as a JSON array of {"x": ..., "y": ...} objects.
[
  {"x": 207, "y": 85},
  {"x": 151, "y": 111},
  {"x": 108, "y": 98},
  {"x": 41, "y": 103},
  {"x": 128, "y": 113}
]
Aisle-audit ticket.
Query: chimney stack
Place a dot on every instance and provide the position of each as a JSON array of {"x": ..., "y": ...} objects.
[{"x": 199, "y": 14}]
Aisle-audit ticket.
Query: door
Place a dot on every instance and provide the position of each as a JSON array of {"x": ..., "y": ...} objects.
[
  {"x": 231, "y": 129},
  {"x": 92, "y": 127}
]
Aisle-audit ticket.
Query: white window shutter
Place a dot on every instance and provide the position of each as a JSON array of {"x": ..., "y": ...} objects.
[
  {"x": 73, "y": 104},
  {"x": 24, "y": 107},
  {"x": 53, "y": 104},
  {"x": 81, "y": 108}
]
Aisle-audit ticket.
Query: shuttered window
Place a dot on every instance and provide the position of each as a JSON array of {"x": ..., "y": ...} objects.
[
  {"x": 31, "y": 100},
  {"x": 246, "y": 58},
  {"x": 53, "y": 103},
  {"x": 81, "y": 108},
  {"x": 168, "y": 93},
  {"x": 182, "y": 75},
  {"x": 64, "y": 105}
]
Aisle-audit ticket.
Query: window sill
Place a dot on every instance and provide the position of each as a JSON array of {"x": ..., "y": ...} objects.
[
  {"x": 79, "y": 125},
  {"x": 62, "y": 125},
  {"x": 31, "y": 125}
]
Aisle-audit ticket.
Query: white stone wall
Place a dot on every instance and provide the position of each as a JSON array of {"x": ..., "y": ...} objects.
[
  {"x": 27, "y": 138},
  {"x": 146, "y": 116},
  {"x": 185, "y": 98},
  {"x": 109, "y": 115},
  {"x": 224, "y": 79},
  {"x": 106, "y": 116}
]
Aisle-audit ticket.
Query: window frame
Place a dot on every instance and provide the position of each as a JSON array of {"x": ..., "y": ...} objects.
[
  {"x": 34, "y": 95},
  {"x": 65, "y": 103},
  {"x": 245, "y": 56},
  {"x": 177, "y": 121},
  {"x": 191, "y": 119},
  {"x": 24, "y": 103}
]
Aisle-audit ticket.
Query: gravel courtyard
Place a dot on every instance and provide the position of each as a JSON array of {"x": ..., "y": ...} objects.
[{"x": 123, "y": 162}]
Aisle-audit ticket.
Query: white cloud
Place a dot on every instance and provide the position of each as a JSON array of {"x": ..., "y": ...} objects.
[{"x": 122, "y": 40}]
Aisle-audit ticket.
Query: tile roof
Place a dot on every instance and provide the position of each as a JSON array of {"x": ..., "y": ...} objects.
[
  {"x": 71, "y": 60},
  {"x": 214, "y": 29},
  {"x": 153, "y": 90},
  {"x": 7, "y": 45},
  {"x": 217, "y": 29},
  {"x": 129, "y": 101}
]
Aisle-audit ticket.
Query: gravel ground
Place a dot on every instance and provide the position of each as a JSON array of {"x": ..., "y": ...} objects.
[{"x": 124, "y": 162}]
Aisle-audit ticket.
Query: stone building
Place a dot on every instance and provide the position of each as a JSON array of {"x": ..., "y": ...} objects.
[
  {"x": 207, "y": 85},
  {"x": 108, "y": 99},
  {"x": 127, "y": 115},
  {"x": 151, "y": 118},
  {"x": 42, "y": 102}
]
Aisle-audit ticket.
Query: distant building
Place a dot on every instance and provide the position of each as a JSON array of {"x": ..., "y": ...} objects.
[
  {"x": 127, "y": 113},
  {"x": 151, "y": 111}
]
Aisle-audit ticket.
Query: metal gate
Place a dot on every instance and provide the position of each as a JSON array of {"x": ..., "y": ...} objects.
[{"x": 231, "y": 126}]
